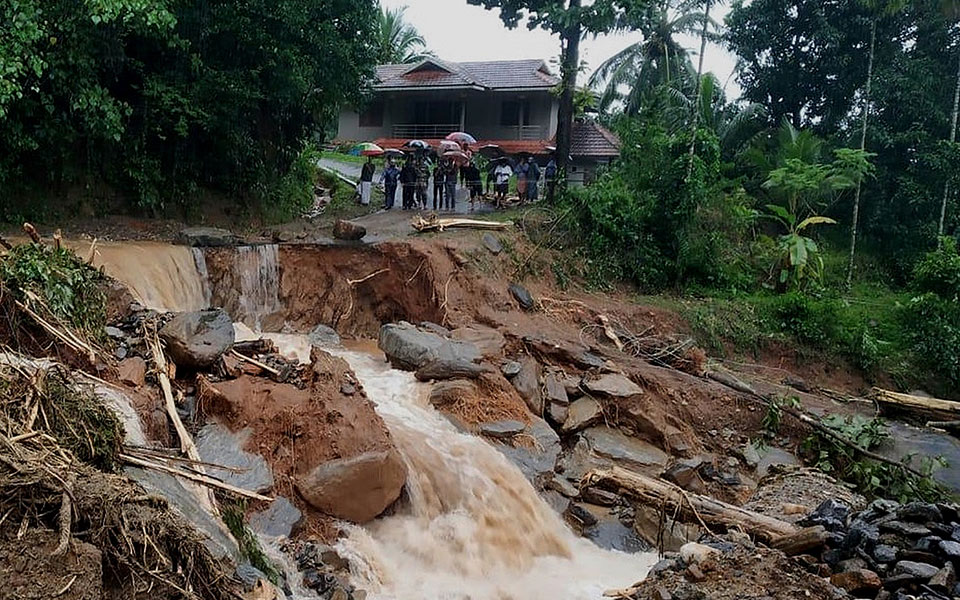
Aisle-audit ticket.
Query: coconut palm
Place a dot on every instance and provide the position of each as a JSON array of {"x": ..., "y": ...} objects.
[
  {"x": 951, "y": 9},
  {"x": 399, "y": 42},
  {"x": 656, "y": 60},
  {"x": 878, "y": 9},
  {"x": 705, "y": 31}
]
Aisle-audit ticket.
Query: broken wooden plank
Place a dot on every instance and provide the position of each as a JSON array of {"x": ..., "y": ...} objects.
[{"x": 437, "y": 224}]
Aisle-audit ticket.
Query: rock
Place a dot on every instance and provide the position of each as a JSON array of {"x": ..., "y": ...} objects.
[
  {"x": 449, "y": 392},
  {"x": 861, "y": 535},
  {"x": 535, "y": 463},
  {"x": 581, "y": 414},
  {"x": 930, "y": 543},
  {"x": 219, "y": 446},
  {"x": 661, "y": 530},
  {"x": 561, "y": 485},
  {"x": 751, "y": 456},
  {"x": 907, "y": 529},
  {"x": 919, "y": 512},
  {"x": 831, "y": 514},
  {"x": 945, "y": 579},
  {"x": 599, "y": 497},
  {"x": 347, "y": 231},
  {"x": 195, "y": 340},
  {"x": 502, "y": 429},
  {"x": 571, "y": 385},
  {"x": 915, "y": 570},
  {"x": 438, "y": 370},
  {"x": 629, "y": 451},
  {"x": 851, "y": 564},
  {"x": 857, "y": 580},
  {"x": 356, "y": 489},
  {"x": 410, "y": 348},
  {"x": 132, "y": 371},
  {"x": 613, "y": 385},
  {"x": 772, "y": 457},
  {"x": 522, "y": 296},
  {"x": 554, "y": 390},
  {"x": 347, "y": 388},
  {"x": 581, "y": 515},
  {"x": 434, "y": 328},
  {"x": 527, "y": 383},
  {"x": 693, "y": 553},
  {"x": 685, "y": 474},
  {"x": 277, "y": 520},
  {"x": 557, "y": 413},
  {"x": 492, "y": 243},
  {"x": 488, "y": 341},
  {"x": 114, "y": 332},
  {"x": 884, "y": 554},
  {"x": 323, "y": 336},
  {"x": 510, "y": 369},
  {"x": 951, "y": 550},
  {"x": 208, "y": 237}
]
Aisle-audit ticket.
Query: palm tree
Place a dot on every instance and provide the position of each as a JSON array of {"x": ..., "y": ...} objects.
[
  {"x": 952, "y": 9},
  {"x": 656, "y": 60},
  {"x": 878, "y": 9},
  {"x": 696, "y": 113},
  {"x": 399, "y": 42}
]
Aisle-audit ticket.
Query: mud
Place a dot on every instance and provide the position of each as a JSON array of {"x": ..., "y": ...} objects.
[{"x": 29, "y": 571}]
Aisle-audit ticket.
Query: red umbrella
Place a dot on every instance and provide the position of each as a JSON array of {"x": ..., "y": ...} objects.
[
  {"x": 462, "y": 138},
  {"x": 457, "y": 157}
]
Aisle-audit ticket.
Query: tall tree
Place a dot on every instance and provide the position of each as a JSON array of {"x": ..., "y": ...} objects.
[
  {"x": 952, "y": 10},
  {"x": 398, "y": 42},
  {"x": 696, "y": 112},
  {"x": 570, "y": 20},
  {"x": 657, "y": 59},
  {"x": 878, "y": 9}
]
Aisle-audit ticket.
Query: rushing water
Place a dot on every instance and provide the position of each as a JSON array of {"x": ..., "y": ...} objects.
[{"x": 259, "y": 270}]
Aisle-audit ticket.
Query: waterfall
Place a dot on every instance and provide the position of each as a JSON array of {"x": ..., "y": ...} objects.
[{"x": 259, "y": 273}]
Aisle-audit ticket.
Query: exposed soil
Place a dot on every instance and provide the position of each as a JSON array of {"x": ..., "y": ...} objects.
[
  {"x": 29, "y": 571},
  {"x": 739, "y": 575},
  {"x": 296, "y": 427}
]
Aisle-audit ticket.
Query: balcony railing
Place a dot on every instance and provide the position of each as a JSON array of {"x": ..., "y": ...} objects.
[
  {"x": 410, "y": 130},
  {"x": 526, "y": 132}
]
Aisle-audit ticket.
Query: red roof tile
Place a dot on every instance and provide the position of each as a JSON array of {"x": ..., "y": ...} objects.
[{"x": 593, "y": 140}]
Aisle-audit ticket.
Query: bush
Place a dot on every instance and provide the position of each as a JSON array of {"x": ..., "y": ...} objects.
[
  {"x": 293, "y": 193},
  {"x": 939, "y": 272},
  {"x": 933, "y": 326},
  {"x": 812, "y": 321}
]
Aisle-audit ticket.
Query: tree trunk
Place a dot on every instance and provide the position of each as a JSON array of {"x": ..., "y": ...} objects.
[
  {"x": 569, "y": 63},
  {"x": 863, "y": 146},
  {"x": 696, "y": 104},
  {"x": 953, "y": 138}
]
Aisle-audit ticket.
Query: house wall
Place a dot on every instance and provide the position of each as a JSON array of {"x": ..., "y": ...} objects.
[{"x": 482, "y": 114}]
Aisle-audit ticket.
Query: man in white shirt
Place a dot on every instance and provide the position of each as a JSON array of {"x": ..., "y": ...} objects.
[{"x": 502, "y": 175}]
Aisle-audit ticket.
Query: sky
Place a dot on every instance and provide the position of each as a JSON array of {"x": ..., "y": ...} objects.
[{"x": 457, "y": 31}]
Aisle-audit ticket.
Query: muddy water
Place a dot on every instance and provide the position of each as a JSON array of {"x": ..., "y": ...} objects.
[
  {"x": 472, "y": 526},
  {"x": 160, "y": 276}
]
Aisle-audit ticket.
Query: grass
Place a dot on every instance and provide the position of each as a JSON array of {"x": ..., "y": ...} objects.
[{"x": 249, "y": 545}]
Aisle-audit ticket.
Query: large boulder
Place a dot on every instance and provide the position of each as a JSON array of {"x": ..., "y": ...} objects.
[
  {"x": 410, "y": 348},
  {"x": 439, "y": 370},
  {"x": 613, "y": 385},
  {"x": 195, "y": 340},
  {"x": 626, "y": 451},
  {"x": 357, "y": 488},
  {"x": 347, "y": 231},
  {"x": 217, "y": 445},
  {"x": 208, "y": 237}
]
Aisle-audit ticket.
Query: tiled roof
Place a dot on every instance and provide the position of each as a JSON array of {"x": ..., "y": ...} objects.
[
  {"x": 593, "y": 140},
  {"x": 492, "y": 75},
  {"x": 508, "y": 146}
]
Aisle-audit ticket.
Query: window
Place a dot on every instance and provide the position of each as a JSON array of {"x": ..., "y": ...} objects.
[
  {"x": 372, "y": 116},
  {"x": 511, "y": 113},
  {"x": 441, "y": 112}
]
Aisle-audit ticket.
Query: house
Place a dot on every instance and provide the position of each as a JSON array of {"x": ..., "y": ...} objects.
[{"x": 508, "y": 103}]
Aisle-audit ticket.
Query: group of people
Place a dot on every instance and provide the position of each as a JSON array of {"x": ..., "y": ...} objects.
[{"x": 413, "y": 180}]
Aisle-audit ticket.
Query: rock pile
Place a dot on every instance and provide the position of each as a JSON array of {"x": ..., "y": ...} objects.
[{"x": 889, "y": 551}]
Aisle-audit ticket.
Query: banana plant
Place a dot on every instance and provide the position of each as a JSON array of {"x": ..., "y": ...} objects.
[{"x": 799, "y": 261}]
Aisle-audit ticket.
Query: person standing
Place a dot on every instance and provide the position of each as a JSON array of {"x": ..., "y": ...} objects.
[
  {"x": 438, "y": 179},
  {"x": 366, "y": 181},
  {"x": 408, "y": 182},
  {"x": 550, "y": 178},
  {"x": 522, "y": 181},
  {"x": 389, "y": 178},
  {"x": 471, "y": 178},
  {"x": 502, "y": 174},
  {"x": 450, "y": 181},
  {"x": 533, "y": 179},
  {"x": 423, "y": 178},
  {"x": 491, "y": 177}
]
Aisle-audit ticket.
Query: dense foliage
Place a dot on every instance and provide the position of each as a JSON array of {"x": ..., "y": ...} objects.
[{"x": 158, "y": 99}]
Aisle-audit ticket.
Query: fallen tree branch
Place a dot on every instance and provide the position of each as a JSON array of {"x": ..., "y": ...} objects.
[
  {"x": 437, "y": 224},
  {"x": 256, "y": 363},
  {"x": 200, "y": 478},
  {"x": 65, "y": 335},
  {"x": 704, "y": 509},
  {"x": 735, "y": 384},
  {"x": 31, "y": 231},
  {"x": 933, "y": 407},
  {"x": 65, "y": 519}
]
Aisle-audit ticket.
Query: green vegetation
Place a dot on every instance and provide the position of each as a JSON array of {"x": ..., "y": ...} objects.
[
  {"x": 157, "y": 103},
  {"x": 249, "y": 545},
  {"x": 69, "y": 287}
]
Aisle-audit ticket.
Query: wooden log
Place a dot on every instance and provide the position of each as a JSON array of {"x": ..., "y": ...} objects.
[
  {"x": 802, "y": 541},
  {"x": 435, "y": 224},
  {"x": 945, "y": 410},
  {"x": 32, "y": 232},
  {"x": 255, "y": 363},
  {"x": 689, "y": 507}
]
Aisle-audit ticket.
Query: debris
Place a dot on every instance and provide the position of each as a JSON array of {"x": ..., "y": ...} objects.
[
  {"x": 435, "y": 223},
  {"x": 931, "y": 407}
]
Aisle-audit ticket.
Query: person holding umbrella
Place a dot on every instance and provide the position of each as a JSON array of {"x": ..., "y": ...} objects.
[
  {"x": 533, "y": 179},
  {"x": 408, "y": 182},
  {"x": 389, "y": 178},
  {"x": 366, "y": 180}
]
